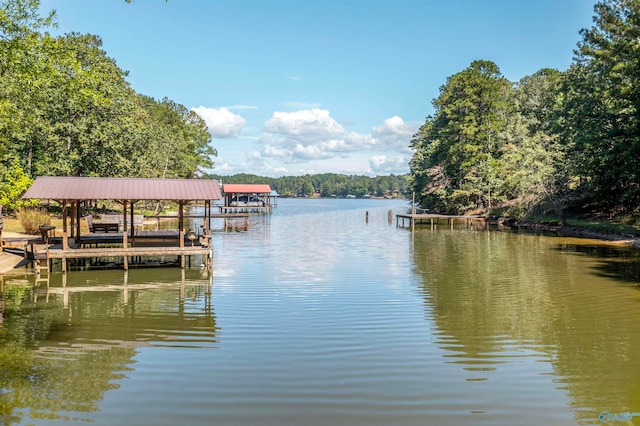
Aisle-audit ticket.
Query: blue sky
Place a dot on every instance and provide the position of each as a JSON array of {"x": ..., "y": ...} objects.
[{"x": 290, "y": 87}]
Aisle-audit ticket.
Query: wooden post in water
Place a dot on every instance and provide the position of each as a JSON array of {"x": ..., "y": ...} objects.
[
  {"x": 125, "y": 245},
  {"x": 366, "y": 216},
  {"x": 182, "y": 246},
  {"x": 206, "y": 224},
  {"x": 413, "y": 211},
  {"x": 132, "y": 224},
  {"x": 78, "y": 215},
  {"x": 125, "y": 290},
  {"x": 65, "y": 245},
  {"x": 72, "y": 218},
  {"x": 125, "y": 236}
]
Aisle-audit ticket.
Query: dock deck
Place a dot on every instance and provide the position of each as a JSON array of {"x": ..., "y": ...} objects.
[
  {"x": 145, "y": 244},
  {"x": 433, "y": 219}
]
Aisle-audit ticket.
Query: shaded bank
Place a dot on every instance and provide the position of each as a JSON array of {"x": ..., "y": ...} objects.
[{"x": 576, "y": 232}]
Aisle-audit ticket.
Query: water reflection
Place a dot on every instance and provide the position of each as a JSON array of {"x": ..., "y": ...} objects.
[
  {"x": 65, "y": 344},
  {"x": 324, "y": 318},
  {"x": 613, "y": 261},
  {"x": 510, "y": 305}
]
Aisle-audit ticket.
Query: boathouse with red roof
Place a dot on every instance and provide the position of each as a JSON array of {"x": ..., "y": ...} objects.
[{"x": 247, "y": 197}]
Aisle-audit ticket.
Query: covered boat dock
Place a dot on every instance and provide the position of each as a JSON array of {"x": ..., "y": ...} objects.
[
  {"x": 247, "y": 198},
  {"x": 129, "y": 243}
]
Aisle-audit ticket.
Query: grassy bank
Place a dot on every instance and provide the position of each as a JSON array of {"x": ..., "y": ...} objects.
[{"x": 12, "y": 224}]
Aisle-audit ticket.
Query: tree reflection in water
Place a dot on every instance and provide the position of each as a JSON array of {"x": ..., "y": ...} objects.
[{"x": 498, "y": 297}]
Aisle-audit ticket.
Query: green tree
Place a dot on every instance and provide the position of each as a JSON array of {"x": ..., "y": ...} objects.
[
  {"x": 66, "y": 108},
  {"x": 22, "y": 49},
  {"x": 455, "y": 164},
  {"x": 182, "y": 143},
  {"x": 533, "y": 163},
  {"x": 601, "y": 120},
  {"x": 13, "y": 183},
  {"x": 327, "y": 184},
  {"x": 88, "y": 97}
]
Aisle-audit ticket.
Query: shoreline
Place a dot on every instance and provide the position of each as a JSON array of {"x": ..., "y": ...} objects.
[
  {"x": 10, "y": 261},
  {"x": 578, "y": 232}
]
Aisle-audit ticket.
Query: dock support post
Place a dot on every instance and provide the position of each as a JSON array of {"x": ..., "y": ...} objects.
[{"x": 125, "y": 244}]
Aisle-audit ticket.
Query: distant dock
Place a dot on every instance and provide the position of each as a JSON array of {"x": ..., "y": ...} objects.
[{"x": 433, "y": 219}]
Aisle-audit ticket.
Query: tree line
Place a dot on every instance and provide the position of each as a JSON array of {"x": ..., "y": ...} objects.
[
  {"x": 553, "y": 142},
  {"x": 66, "y": 109},
  {"x": 327, "y": 184}
]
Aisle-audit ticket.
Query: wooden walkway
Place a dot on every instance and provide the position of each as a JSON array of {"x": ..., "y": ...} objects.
[
  {"x": 145, "y": 244},
  {"x": 433, "y": 219},
  {"x": 244, "y": 209},
  {"x": 227, "y": 216},
  {"x": 148, "y": 244},
  {"x": 129, "y": 254}
]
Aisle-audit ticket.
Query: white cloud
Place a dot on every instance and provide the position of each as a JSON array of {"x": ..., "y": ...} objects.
[
  {"x": 359, "y": 142},
  {"x": 303, "y": 135},
  {"x": 224, "y": 168},
  {"x": 221, "y": 122},
  {"x": 311, "y": 152},
  {"x": 394, "y": 133},
  {"x": 309, "y": 134},
  {"x": 305, "y": 127},
  {"x": 312, "y": 134},
  {"x": 383, "y": 165},
  {"x": 311, "y": 139},
  {"x": 274, "y": 151}
]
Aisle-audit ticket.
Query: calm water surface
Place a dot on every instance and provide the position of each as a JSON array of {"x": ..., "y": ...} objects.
[{"x": 317, "y": 317}]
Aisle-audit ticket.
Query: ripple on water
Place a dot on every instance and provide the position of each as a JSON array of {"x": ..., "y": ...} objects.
[{"x": 316, "y": 317}]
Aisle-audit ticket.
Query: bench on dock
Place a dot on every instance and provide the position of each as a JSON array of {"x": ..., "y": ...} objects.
[
  {"x": 112, "y": 223},
  {"x": 101, "y": 226}
]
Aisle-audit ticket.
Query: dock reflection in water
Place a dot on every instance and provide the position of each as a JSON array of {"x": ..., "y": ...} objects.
[{"x": 64, "y": 345}]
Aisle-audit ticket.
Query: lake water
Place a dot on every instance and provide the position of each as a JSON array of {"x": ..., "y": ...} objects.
[{"x": 315, "y": 316}]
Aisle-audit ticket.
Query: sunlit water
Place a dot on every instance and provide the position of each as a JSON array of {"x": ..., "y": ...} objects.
[{"x": 315, "y": 316}]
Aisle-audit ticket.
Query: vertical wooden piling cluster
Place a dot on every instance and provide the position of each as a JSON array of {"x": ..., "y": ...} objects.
[{"x": 434, "y": 219}]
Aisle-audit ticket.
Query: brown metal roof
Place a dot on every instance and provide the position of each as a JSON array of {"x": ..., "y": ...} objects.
[
  {"x": 98, "y": 188},
  {"x": 229, "y": 188}
]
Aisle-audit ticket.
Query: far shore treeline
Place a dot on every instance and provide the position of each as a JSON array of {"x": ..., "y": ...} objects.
[
  {"x": 552, "y": 143},
  {"x": 328, "y": 185}
]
